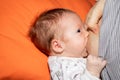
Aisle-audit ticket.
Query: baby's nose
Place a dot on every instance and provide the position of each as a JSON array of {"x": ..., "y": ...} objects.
[{"x": 86, "y": 33}]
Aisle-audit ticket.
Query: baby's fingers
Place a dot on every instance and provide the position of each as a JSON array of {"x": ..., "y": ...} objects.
[{"x": 104, "y": 62}]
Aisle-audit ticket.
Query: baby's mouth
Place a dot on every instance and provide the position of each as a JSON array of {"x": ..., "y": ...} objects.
[{"x": 85, "y": 53}]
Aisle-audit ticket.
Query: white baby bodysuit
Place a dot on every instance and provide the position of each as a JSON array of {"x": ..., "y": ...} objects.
[{"x": 67, "y": 68}]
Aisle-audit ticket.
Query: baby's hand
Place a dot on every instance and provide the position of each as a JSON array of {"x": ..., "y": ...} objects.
[{"x": 95, "y": 65}]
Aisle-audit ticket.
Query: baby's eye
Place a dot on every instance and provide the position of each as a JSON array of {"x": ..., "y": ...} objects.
[{"x": 78, "y": 30}]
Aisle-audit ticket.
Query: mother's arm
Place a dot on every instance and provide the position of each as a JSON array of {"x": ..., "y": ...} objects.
[{"x": 93, "y": 22}]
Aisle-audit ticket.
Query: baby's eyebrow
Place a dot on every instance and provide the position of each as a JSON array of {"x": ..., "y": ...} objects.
[{"x": 80, "y": 25}]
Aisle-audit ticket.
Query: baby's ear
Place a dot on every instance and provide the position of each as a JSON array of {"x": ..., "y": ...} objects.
[{"x": 57, "y": 46}]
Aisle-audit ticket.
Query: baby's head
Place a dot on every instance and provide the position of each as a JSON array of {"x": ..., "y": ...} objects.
[{"x": 59, "y": 32}]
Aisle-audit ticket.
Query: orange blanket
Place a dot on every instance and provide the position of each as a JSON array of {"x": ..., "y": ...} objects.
[{"x": 19, "y": 58}]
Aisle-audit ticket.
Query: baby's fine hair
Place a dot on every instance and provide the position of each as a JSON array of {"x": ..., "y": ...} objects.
[{"x": 44, "y": 28}]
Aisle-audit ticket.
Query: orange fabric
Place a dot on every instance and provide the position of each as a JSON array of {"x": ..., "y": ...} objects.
[
  {"x": 92, "y": 1},
  {"x": 18, "y": 56}
]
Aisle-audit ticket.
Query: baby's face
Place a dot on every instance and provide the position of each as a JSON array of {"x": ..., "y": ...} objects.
[{"x": 74, "y": 36}]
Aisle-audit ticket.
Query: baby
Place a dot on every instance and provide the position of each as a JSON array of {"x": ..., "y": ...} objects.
[{"x": 60, "y": 34}]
